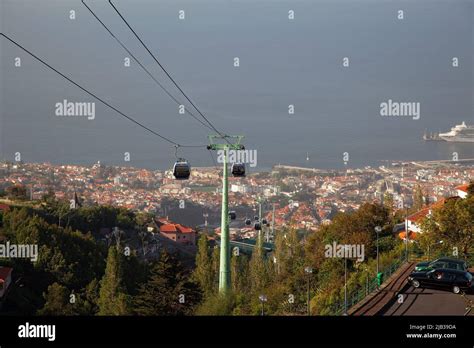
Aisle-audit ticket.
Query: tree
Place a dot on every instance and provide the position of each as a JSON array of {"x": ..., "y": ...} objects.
[
  {"x": 289, "y": 255},
  {"x": 453, "y": 223},
  {"x": 215, "y": 267},
  {"x": 470, "y": 188},
  {"x": 217, "y": 304},
  {"x": 57, "y": 301},
  {"x": 258, "y": 267},
  {"x": 168, "y": 291},
  {"x": 17, "y": 192},
  {"x": 388, "y": 202},
  {"x": 113, "y": 299},
  {"x": 239, "y": 269},
  {"x": 418, "y": 198},
  {"x": 203, "y": 272},
  {"x": 91, "y": 297}
]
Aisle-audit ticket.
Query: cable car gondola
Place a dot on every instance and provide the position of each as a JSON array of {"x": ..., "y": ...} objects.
[
  {"x": 248, "y": 222},
  {"x": 181, "y": 169},
  {"x": 256, "y": 218},
  {"x": 257, "y": 226},
  {"x": 238, "y": 170},
  {"x": 264, "y": 221},
  {"x": 232, "y": 215}
]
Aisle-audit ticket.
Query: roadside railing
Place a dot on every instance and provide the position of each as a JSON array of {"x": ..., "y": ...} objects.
[{"x": 356, "y": 295}]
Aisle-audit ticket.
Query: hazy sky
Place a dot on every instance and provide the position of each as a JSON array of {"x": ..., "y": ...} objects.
[{"x": 282, "y": 62}]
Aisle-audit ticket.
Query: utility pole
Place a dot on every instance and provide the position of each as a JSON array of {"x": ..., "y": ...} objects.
[{"x": 224, "y": 264}]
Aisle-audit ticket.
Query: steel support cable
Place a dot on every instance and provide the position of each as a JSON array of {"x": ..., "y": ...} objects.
[
  {"x": 142, "y": 66},
  {"x": 166, "y": 72},
  {"x": 97, "y": 97}
]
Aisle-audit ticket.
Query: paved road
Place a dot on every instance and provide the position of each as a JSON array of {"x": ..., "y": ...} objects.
[{"x": 430, "y": 302}]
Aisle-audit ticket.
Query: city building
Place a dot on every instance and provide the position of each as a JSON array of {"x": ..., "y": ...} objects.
[
  {"x": 462, "y": 191},
  {"x": 176, "y": 232}
]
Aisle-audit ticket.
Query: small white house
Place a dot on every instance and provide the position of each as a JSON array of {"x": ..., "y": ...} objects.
[{"x": 462, "y": 191}]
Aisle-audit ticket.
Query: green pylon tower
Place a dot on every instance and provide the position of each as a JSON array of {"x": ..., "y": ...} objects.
[{"x": 224, "y": 264}]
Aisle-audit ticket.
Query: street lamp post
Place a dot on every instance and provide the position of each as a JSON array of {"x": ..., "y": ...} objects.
[
  {"x": 429, "y": 248},
  {"x": 345, "y": 284},
  {"x": 367, "y": 285},
  {"x": 263, "y": 299},
  {"x": 308, "y": 271},
  {"x": 378, "y": 229}
]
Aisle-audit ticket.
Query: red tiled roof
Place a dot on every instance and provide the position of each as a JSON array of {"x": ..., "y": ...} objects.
[
  {"x": 174, "y": 228},
  {"x": 4, "y": 273},
  {"x": 462, "y": 188},
  {"x": 163, "y": 220},
  {"x": 169, "y": 228},
  {"x": 184, "y": 229},
  {"x": 4, "y": 207},
  {"x": 421, "y": 214},
  {"x": 411, "y": 235}
]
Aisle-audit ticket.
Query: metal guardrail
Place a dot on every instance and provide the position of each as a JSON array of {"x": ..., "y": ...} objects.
[
  {"x": 469, "y": 304},
  {"x": 420, "y": 256},
  {"x": 357, "y": 295},
  {"x": 362, "y": 291}
]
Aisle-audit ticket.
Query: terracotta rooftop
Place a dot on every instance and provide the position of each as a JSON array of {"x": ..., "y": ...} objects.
[
  {"x": 169, "y": 228},
  {"x": 462, "y": 187},
  {"x": 421, "y": 214}
]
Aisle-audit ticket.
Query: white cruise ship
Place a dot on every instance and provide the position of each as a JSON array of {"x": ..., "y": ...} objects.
[{"x": 460, "y": 133}]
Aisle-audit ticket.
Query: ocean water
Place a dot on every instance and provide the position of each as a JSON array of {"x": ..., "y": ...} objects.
[{"x": 282, "y": 62}]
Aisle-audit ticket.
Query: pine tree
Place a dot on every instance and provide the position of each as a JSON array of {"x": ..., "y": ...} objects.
[
  {"x": 203, "y": 272},
  {"x": 239, "y": 268},
  {"x": 288, "y": 252},
  {"x": 388, "y": 202},
  {"x": 113, "y": 299},
  {"x": 418, "y": 199},
  {"x": 258, "y": 267},
  {"x": 215, "y": 268},
  {"x": 168, "y": 290},
  {"x": 57, "y": 301},
  {"x": 91, "y": 296}
]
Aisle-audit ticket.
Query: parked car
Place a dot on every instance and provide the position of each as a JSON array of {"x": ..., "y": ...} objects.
[
  {"x": 444, "y": 262},
  {"x": 443, "y": 278}
]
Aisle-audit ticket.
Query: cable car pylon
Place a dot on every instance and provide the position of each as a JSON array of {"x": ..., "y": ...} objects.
[{"x": 224, "y": 263}]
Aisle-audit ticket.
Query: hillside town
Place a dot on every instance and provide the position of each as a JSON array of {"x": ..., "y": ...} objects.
[{"x": 303, "y": 198}]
